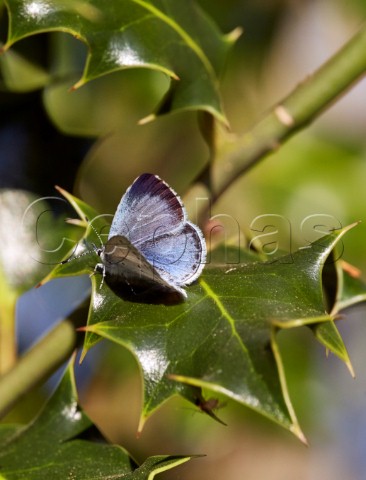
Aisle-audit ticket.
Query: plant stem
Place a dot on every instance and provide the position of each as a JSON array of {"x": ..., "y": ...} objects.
[
  {"x": 296, "y": 111},
  {"x": 37, "y": 363},
  {"x": 7, "y": 329}
]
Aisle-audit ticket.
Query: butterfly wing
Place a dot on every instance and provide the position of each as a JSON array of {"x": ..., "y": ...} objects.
[
  {"x": 178, "y": 257},
  {"x": 148, "y": 209},
  {"x": 128, "y": 269},
  {"x": 164, "y": 247}
]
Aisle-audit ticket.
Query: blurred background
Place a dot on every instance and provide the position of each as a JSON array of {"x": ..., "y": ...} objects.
[{"x": 89, "y": 142}]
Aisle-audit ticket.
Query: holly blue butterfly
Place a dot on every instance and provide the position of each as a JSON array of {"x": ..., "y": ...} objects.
[{"x": 152, "y": 247}]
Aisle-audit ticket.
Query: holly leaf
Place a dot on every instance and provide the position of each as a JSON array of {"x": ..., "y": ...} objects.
[
  {"x": 175, "y": 38},
  {"x": 348, "y": 290},
  {"x": 62, "y": 442},
  {"x": 351, "y": 289},
  {"x": 328, "y": 335},
  {"x": 223, "y": 338}
]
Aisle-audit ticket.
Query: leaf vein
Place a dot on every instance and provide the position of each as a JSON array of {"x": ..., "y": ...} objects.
[
  {"x": 182, "y": 33},
  {"x": 223, "y": 311}
]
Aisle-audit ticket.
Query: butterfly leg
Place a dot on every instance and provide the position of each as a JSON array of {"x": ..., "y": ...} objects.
[{"x": 99, "y": 268}]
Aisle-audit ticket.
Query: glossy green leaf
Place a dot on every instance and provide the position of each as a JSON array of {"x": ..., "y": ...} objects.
[
  {"x": 223, "y": 337},
  {"x": 326, "y": 332},
  {"x": 351, "y": 289},
  {"x": 82, "y": 257},
  {"x": 55, "y": 445},
  {"x": 328, "y": 335},
  {"x": 175, "y": 38}
]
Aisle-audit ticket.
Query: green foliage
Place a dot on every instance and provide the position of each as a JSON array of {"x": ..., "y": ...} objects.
[
  {"x": 223, "y": 338},
  {"x": 56, "y": 444},
  {"x": 172, "y": 37},
  {"x": 33, "y": 240}
]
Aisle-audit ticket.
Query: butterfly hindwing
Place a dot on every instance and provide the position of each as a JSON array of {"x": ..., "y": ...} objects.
[
  {"x": 179, "y": 258},
  {"x": 124, "y": 264}
]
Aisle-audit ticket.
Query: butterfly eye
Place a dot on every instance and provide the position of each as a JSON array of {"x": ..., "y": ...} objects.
[{"x": 99, "y": 251}]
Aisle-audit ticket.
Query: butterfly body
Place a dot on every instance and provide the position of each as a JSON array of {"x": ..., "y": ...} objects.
[{"x": 152, "y": 247}]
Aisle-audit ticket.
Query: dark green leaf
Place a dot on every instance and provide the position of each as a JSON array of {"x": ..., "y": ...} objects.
[
  {"x": 328, "y": 335},
  {"x": 82, "y": 257},
  {"x": 351, "y": 288},
  {"x": 54, "y": 446},
  {"x": 223, "y": 337},
  {"x": 175, "y": 38}
]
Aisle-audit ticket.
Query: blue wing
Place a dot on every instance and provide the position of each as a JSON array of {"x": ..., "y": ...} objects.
[
  {"x": 179, "y": 258},
  {"x": 148, "y": 209},
  {"x": 152, "y": 217}
]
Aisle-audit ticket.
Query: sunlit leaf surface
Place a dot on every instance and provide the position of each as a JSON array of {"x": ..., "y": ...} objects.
[
  {"x": 61, "y": 442},
  {"x": 223, "y": 337},
  {"x": 173, "y": 37}
]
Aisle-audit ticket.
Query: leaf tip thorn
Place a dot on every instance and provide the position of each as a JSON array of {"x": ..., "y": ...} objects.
[
  {"x": 84, "y": 351},
  {"x": 76, "y": 85},
  {"x": 300, "y": 435},
  {"x": 82, "y": 329},
  {"x": 140, "y": 426},
  {"x": 350, "y": 368},
  {"x": 233, "y": 36},
  {"x": 44, "y": 280},
  {"x": 147, "y": 119},
  {"x": 4, "y": 48}
]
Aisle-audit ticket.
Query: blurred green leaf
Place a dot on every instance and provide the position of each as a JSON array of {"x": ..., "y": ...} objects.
[
  {"x": 223, "y": 337},
  {"x": 20, "y": 74},
  {"x": 175, "y": 38},
  {"x": 55, "y": 445},
  {"x": 33, "y": 241}
]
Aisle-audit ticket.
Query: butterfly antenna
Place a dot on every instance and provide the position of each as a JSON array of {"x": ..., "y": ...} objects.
[
  {"x": 88, "y": 251},
  {"x": 74, "y": 257},
  {"x": 96, "y": 233}
]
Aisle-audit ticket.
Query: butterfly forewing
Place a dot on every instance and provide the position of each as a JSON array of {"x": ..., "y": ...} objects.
[
  {"x": 151, "y": 245},
  {"x": 148, "y": 209}
]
